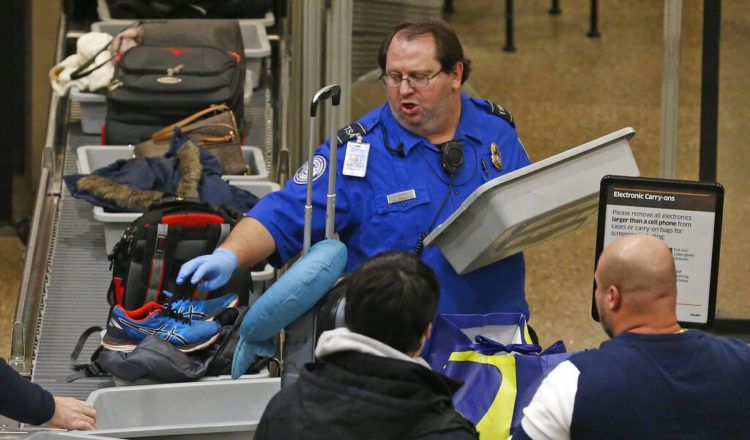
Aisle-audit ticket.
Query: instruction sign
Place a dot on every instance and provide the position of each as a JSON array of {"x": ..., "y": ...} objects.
[{"x": 686, "y": 216}]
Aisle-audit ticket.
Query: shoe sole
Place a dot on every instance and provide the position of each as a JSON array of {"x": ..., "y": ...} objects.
[
  {"x": 193, "y": 347},
  {"x": 229, "y": 306},
  {"x": 126, "y": 346}
]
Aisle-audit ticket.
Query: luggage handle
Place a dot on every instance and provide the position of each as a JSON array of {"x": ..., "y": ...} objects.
[
  {"x": 333, "y": 92},
  {"x": 166, "y": 132}
]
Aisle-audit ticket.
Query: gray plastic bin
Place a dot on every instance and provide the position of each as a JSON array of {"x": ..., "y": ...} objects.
[
  {"x": 257, "y": 47},
  {"x": 116, "y": 222},
  {"x": 543, "y": 200},
  {"x": 225, "y": 409},
  {"x": 93, "y": 110},
  {"x": 93, "y": 157},
  {"x": 55, "y": 434}
]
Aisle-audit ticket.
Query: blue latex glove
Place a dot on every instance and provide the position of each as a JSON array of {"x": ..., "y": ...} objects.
[{"x": 209, "y": 272}]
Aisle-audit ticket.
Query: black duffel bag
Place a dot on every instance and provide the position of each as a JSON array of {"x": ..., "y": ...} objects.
[{"x": 180, "y": 67}]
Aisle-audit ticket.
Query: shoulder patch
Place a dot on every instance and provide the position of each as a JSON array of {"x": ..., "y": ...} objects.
[
  {"x": 500, "y": 111},
  {"x": 350, "y": 132},
  {"x": 319, "y": 167}
]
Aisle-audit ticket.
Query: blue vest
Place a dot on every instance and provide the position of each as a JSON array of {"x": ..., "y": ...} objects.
[{"x": 687, "y": 386}]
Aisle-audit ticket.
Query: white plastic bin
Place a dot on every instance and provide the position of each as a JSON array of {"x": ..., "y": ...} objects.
[
  {"x": 254, "y": 38},
  {"x": 93, "y": 110},
  {"x": 257, "y": 47},
  {"x": 119, "y": 382},
  {"x": 530, "y": 205},
  {"x": 262, "y": 280},
  {"x": 116, "y": 222},
  {"x": 223, "y": 409},
  {"x": 268, "y": 20},
  {"x": 93, "y": 157},
  {"x": 54, "y": 434}
]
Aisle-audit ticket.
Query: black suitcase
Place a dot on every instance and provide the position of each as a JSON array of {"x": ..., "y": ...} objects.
[{"x": 180, "y": 68}]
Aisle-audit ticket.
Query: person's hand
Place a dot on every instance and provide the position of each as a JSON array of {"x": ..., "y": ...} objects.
[
  {"x": 209, "y": 272},
  {"x": 72, "y": 413}
]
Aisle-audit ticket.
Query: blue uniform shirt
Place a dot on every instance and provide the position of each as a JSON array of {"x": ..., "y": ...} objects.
[{"x": 368, "y": 224}]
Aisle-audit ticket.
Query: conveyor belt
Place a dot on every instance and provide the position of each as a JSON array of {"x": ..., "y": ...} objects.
[{"x": 78, "y": 273}]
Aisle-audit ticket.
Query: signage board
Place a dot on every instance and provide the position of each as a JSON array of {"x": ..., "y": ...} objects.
[{"x": 685, "y": 215}]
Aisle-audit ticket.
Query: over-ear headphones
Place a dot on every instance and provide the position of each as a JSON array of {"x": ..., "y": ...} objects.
[{"x": 452, "y": 156}]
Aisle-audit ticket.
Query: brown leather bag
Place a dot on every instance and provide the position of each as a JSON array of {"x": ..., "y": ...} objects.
[{"x": 213, "y": 129}]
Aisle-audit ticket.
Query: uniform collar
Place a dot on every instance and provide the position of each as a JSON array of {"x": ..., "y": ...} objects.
[
  {"x": 468, "y": 126},
  {"x": 395, "y": 133}
]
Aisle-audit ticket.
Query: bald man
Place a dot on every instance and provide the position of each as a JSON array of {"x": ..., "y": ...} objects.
[{"x": 653, "y": 379}]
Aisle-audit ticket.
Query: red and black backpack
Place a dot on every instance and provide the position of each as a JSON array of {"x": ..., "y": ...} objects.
[{"x": 153, "y": 248}]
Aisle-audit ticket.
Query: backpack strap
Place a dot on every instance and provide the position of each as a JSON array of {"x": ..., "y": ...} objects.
[
  {"x": 155, "y": 274},
  {"x": 90, "y": 369},
  {"x": 225, "y": 229},
  {"x": 216, "y": 234},
  {"x": 116, "y": 291}
]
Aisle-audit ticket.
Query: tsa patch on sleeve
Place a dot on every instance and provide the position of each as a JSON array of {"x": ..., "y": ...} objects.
[{"x": 319, "y": 167}]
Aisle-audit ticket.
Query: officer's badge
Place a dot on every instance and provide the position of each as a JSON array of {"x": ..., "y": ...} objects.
[
  {"x": 497, "y": 161},
  {"x": 319, "y": 167}
]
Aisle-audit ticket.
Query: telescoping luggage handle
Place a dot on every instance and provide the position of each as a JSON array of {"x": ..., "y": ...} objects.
[{"x": 332, "y": 91}]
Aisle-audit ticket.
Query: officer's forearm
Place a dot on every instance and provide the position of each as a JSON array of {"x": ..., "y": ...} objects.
[{"x": 250, "y": 241}]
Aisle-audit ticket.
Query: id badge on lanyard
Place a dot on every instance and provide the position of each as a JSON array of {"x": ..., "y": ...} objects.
[{"x": 355, "y": 161}]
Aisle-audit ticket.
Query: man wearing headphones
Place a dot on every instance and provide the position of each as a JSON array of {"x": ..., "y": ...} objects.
[{"x": 402, "y": 169}]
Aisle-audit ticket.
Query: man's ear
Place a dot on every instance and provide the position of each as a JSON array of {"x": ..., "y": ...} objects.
[
  {"x": 456, "y": 73},
  {"x": 614, "y": 298},
  {"x": 427, "y": 331}
]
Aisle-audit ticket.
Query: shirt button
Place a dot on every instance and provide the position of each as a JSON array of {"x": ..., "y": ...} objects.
[
  {"x": 455, "y": 192},
  {"x": 403, "y": 204}
]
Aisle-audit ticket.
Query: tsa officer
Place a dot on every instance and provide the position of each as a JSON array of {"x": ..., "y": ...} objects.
[{"x": 402, "y": 169}]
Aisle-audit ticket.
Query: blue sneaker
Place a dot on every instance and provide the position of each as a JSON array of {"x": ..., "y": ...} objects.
[
  {"x": 126, "y": 328},
  {"x": 203, "y": 310}
]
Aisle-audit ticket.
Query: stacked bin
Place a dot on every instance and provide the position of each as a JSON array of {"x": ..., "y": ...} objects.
[
  {"x": 93, "y": 157},
  {"x": 254, "y": 38}
]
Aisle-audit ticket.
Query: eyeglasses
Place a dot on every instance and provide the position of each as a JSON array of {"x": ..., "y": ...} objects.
[{"x": 415, "y": 80}]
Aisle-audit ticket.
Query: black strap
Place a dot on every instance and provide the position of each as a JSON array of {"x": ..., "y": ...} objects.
[
  {"x": 175, "y": 235},
  {"x": 156, "y": 262},
  {"x": 84, "y": 70},
  {"x": 213, "y": 237},
  {"x": 90, "y": 369}
]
